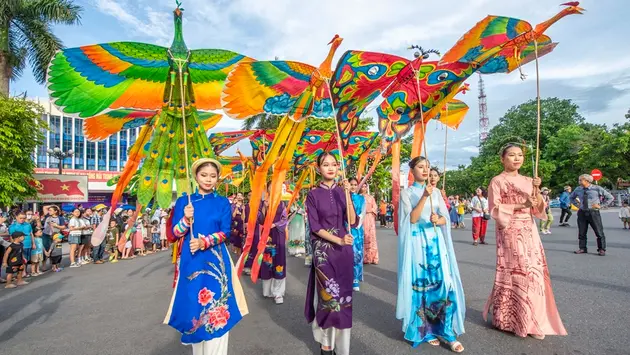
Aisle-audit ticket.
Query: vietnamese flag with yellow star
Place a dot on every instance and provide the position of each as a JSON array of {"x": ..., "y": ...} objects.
[
  {"x": 57, "y": 187},
  {"x": 52, "y": 188}
]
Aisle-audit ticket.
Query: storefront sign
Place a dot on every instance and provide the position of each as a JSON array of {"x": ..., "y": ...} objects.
[{"x": 94, "y": 176}]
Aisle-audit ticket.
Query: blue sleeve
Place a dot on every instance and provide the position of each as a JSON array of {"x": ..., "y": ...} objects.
[
  {"x": 573, "y": 196},
  {"x": 226, "y": 217},
  {"x": 11, "y": 228}
]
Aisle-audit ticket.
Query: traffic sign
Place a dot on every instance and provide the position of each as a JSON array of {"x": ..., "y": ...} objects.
[{"x": 596, "y": 174}]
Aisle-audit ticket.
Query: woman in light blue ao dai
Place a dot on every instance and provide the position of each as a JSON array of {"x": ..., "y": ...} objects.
[{"x": 430, "y": 299}]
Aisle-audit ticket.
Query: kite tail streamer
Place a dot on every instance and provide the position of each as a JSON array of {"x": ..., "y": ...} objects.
[
  {"x": 377, "y": 160},
  {"x": 298, "y": 186},
  {"x": 280, "y": 169},
  {"x": 135, "y": 156},
  {"x": 258, "y": 186},
  {"x": 362, "y": 164},
  {"x": 396, "y": 181}
]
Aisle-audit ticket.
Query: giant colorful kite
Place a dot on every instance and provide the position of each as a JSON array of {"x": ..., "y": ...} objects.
[{"x": 296, "y": 90}]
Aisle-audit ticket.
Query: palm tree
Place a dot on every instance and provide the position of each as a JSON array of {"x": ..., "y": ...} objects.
[
  {"x": 262, "y": 121},
  {"x": 25, "y": 33}
]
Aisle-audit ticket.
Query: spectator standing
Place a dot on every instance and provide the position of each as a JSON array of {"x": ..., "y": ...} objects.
[
  {"x": 86, "y": 236},
  {"x": 28, "y": 243},
  {"x": 53, "y": 223},
  {"x": 480, "y": 216},
  {"x": 55, "y": 252},
  {"x": 98, "y": 250},
  {"x": 382, "y": 211},
  {"x": 565, "y": 205},
  {"x": 588, "y": 214},
  {"x": 5, "y": 241},
  {"x": 76, "y": 226},
  {"x": 624, "y": 215},
  {"x": 37, "y": 255},
  {"x": 461, "y": 211},
  {"x": 13, "y": 259},
  {"x": 546, "y": 225}
]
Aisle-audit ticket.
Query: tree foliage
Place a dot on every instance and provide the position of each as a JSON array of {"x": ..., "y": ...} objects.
[
  {"x": 21, "y": 130},
  {"x": 26, "y": 34},
  {"x": 569, "y": 146}
]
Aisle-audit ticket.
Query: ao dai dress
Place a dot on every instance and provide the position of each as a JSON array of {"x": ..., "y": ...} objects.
[
  {"x": 208, "y": 299},
  {"x": 430, "y": 299},
  {"x": 297, "y": 230},
  {"x": 329, "y": 295},
  {"x": 522, "y": 300},
  {"x": 357, "y": 246},
  {"x": 370, "y": 246},
  {"x": 274, "y": 261}
]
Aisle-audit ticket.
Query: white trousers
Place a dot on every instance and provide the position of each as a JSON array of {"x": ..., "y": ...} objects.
[
  {"x": 274, "y": 288},
  {"x": 333, "y": 338},
  {"x": 217, "y": 346}
]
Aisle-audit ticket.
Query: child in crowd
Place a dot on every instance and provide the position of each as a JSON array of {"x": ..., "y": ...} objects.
[
  {"x": 129, "y": 234},
  {"x": 55, "y": 253},
  {"x": 461, "y": 211},
  {"x": 13, "y": 260},
  {"x": 112, "y": 241},
  {"x": 155, "y": 235},
  {"x": 37, "y": 254},
  {"x": 624, "y": 215}
]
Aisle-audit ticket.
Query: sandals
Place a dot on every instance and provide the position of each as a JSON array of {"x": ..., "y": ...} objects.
[
  {"x": 434, "y": 342},
  {"x": 456, "y": 346}
]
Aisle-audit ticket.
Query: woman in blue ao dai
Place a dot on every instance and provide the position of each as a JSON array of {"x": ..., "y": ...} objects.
[
  {"x": 358, "y": 201},
  {"x": 208, "y": 299},
  {"x": 430, "y": 300}
]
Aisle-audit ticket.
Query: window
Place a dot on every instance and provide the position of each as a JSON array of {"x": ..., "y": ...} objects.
[
  {"x": 79, "y": 144},
  {"x": 91, "y": 155},
  {"x": 67, "y": 140},
  {"x": 41, "y": 150},
  {"x": 113, "y": 151},
  {"x": 54, "y": 138},
  {"x": 123, "y": 148},
  {"x": 102, "y": 155},
  {"x": 133, "y": 136}
]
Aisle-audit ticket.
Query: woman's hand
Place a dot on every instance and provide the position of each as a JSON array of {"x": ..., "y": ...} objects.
[
  {"x": 427, "y": 191},
  {"x": 195, "y": 244},
  {"x": 435, "y": 218},
  {"x": 189, "y": 212},
  {"x": 529, "y": 202},
  {"x": 347, "y": 240},
  {"x": 345, "y": 184},
  {"x": 536, "y": 182}
]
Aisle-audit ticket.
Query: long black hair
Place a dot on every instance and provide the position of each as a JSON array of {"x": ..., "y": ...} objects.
[
  {"x": 323, "y": 155},
  {"x": 415, "y": 161}
]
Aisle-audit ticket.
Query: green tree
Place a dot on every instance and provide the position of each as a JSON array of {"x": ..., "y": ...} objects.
[
  {"x": 21, "y": 130},
  {"x": 262, "y": 121},
  {"x": 519, "y": 122},
  {"x": 26, "y": 34}
]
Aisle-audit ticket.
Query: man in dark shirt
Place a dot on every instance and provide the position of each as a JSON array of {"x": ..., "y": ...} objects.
[{"x": 590, "y": 197}]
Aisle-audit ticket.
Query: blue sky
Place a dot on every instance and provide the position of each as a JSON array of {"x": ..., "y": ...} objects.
[{"x": 591, "y": 65}]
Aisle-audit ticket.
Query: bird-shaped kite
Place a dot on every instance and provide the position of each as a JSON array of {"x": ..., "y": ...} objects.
[
  {"x": 296, "y": 90},
  {"x": 123, "y": 85}
]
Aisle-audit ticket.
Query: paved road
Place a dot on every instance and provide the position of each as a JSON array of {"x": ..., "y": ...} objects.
[{"x": 118, "y": 308}]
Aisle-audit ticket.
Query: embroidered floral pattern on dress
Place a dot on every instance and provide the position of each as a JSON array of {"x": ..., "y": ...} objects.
[
  {"x": 328, "y": 288},
  {"x": 215, "y": 314}
]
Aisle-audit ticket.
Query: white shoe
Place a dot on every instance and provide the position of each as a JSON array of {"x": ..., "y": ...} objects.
[
  {"x": 357, "y": 289},
  {"x": 75, "y": 265},
  {"x": 279, "y": 300}
]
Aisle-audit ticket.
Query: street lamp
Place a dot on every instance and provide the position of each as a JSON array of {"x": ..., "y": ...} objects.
[{"x": 60, "y": 155}]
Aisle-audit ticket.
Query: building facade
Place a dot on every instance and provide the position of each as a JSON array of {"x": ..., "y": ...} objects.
[{"x": 100, "y": 161}]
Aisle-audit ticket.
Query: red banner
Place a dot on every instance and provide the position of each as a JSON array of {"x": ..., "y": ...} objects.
[{"x": 60, "y": 188}]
